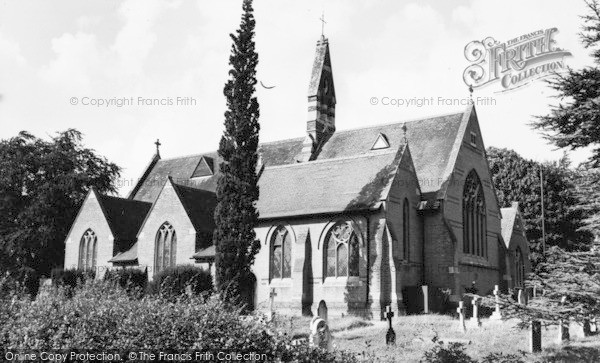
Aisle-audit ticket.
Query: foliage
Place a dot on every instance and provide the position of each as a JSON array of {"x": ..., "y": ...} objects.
[
  {"x": 134, "y": 281},
  {"x": 70, "y": 278},
  {"x": 42, "y": 186},
  {"x": 175, "y": 281},
  {"x": 454, "y": 353},
  {"x": 502, "y": 358},
  {"x": 568, "y": 288},
  {"x": 587, "y": 183},
  {"x": 237, "y": 190},
  {"x": 575, "y": 122},
  {"x": 21, "y": 281},
  {"x": 103, "y": 317},
  {"x": 518, "y": 179}
]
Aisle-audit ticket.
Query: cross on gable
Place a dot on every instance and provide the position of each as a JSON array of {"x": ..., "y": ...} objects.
[
  {"x": 157, "y": 143},
  {"x": 272, "y": 294}
]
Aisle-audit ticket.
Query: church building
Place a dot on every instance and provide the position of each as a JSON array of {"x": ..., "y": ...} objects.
[{"x": 351, "y": 220}]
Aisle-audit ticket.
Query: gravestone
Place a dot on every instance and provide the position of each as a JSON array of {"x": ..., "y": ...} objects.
[
  {"x": 496, "y": 315},
  {"x": 587, "y": 328},
  {"x": 272, "y": 295},
  {"x": 425, "y": 290},
  {"x": 390, "y": 336},
  {"x": 593, "y": 326},
  {"x": 535, "y": 336},
  {"x": 475, "y": 321},
  {"x": 320, "y": 335},
  {"x": 563, "y": 327},
  {"x": 322, "y": 310},
  {"x": 521, "y": 297},
  {"x": 461, "y": 316}
]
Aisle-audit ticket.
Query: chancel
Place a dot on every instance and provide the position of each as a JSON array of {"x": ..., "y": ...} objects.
[{"x": 351, "y": 220}]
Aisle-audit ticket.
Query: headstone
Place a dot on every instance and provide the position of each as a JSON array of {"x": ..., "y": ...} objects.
[
  {"x": 563, "y": 332},
  {"x": 272, "y": 295},
  {"x": 322, "y": 310},
  {"x": 475, "y": 321},
  {"x": 535, "y": 336},
  {"x": 520, "y": 297},
  {"x": 587, "y": 328},
  {"x": 320, "y": 335},
  {"x": 593, "y": 326},
  {"x": 425, "y": 290},
  {"x": 496, "y": 315},
  {"x": 390, "y": 336},
  {"x": 461, "y": 316}
]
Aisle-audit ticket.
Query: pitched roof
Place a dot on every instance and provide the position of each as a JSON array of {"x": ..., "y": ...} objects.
[
  {"x": 509, "y": 216},
  {"x": 124, "y": 216},
  {"x": 206, "y": 254},
  {"x": 327, "y": 186},
  {"x": 433, "y": 143},
  {"x": 129, "y": 256},
  {"x": 199, "y": 206}
]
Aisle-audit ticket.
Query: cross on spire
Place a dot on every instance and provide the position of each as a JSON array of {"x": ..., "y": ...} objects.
[
  {"x": 323, "y": 22},
  {"x": 157, "y": 143}
]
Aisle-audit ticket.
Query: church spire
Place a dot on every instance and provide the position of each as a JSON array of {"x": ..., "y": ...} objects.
[{"x": 321, "y": 103}]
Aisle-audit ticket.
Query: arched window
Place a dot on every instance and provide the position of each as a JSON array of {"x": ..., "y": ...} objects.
[
  {"x": 281, "y": 253},
  {"x": 519, "y": 268},
  {"x": 405, "y": 230},
  {"x": 474, "y": 217},
  {"x": 341, "y": 251},
  {"x": 88, "y": 248},
  {"x": 166, "y": 247}
]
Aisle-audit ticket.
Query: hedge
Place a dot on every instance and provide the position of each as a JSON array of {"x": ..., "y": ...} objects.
[
  {"x": 134, "y": 281},
  {"x": 21, "y": 281},
  {"x": 182, "y": 280},
  {"x": 103, "y": 317}
]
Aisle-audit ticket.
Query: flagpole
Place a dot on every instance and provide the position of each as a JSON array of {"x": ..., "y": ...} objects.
[{"x": 543, "y": 218}]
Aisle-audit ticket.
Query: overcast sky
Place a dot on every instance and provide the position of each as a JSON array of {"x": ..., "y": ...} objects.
[{"x": 52, "y": 51}]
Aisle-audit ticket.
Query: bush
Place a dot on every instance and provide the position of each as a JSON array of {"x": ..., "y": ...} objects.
[
  {"x": 134, "y": 281},
  {"x": 70, "y": 278},
  {"x": 181, "y": 280},
  {"x": 100, "y": 316},
  {"x": 454, "y": 353},
  {"x": 22, "y": 281}
]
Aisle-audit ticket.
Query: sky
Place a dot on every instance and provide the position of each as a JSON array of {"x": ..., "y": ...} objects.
[{"x": 60, "y": 59}]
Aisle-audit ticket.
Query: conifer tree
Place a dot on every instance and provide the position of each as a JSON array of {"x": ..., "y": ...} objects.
[
  {"x": 575, "y": 123},
  {"x": 237, "y": 190}
]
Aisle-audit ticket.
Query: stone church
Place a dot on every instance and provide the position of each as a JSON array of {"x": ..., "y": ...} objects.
[{"x": 351, "y": 220}]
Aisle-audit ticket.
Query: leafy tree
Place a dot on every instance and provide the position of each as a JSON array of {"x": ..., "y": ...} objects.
[
  {"x": 42, "y": 185},
  {"x": 575, "y": 122},
  {"x": 237, "y": 189},
  {"x": 518, "y": 179}
]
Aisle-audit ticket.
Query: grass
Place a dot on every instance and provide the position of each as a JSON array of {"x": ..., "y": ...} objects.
[{"x": 418, "y": 333}]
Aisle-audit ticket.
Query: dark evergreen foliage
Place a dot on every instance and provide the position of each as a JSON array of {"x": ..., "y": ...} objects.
[
  {"x": 178, "y": 281},
  {"x": 42, "y": 186},
  {"x": 237, "y": 190},
  {"x": 518, "y": 179}
]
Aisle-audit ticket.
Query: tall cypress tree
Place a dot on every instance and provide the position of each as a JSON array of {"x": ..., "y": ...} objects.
[{"x": 237, "y": 189}]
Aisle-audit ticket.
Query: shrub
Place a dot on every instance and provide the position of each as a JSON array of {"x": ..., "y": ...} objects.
[
  {"x": 181, "y": 280},
  {"x": 134, "y": 281},
  {"x": 70, "y": 278},
  {"x": 100, "y": 316},
  {"x": 502, "y": 358},
  {"x": 454, "y": 353},
  {"x": 22, "y": 281}
]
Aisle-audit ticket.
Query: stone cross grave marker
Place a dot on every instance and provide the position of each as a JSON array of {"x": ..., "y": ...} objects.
[
  {"x": 272, "y": 295},
  {"x": 390, "y": 336},
  {"x": 496, "y": 315},
  {"x": 535, "y": 336},
  {"x": 520, "y": 298},
  {"x": 475, "y": 321},
  {"x": 461, "y": 316}
]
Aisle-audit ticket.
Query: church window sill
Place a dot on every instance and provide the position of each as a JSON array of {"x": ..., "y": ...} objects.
[
  {"x": 343, "y": 281},
  {"x": 286, "y": 282}
]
